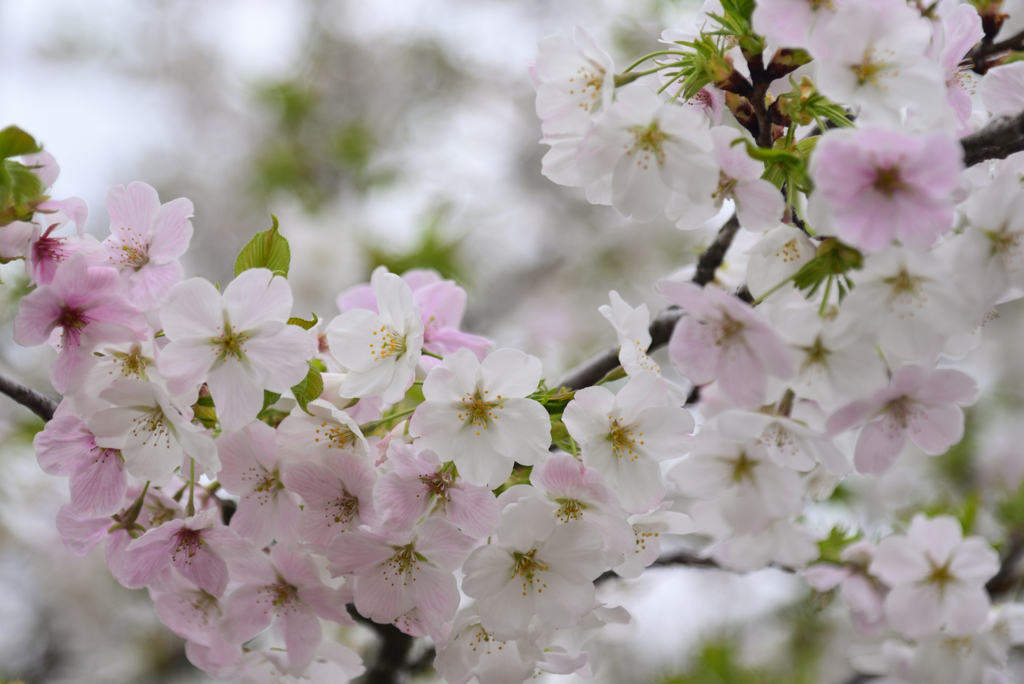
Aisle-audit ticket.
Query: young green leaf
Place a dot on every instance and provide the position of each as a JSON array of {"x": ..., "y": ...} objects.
[
  {"x": 15, "y": 142},
  {"x": 267, "y": 249}
]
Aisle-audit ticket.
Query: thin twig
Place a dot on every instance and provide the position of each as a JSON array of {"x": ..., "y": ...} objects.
[
  {"x": 390, "y": 664},
  {"x": 687, "y": 558},
  {"x": 40, "y": 404},
  {"x": 661, "y": 327},
  {"x": 984, "y": 50},
  {"x": 1008, "y": 576}
]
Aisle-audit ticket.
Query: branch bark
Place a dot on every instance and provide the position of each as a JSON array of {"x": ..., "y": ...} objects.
[
  {"x": 40, "y": 404},
  {"x": 984, "y": 50},
  {"x": 998, "y": 140},
  {"x": 687, "y": 558}
]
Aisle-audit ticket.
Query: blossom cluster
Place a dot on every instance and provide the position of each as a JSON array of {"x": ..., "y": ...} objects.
[{"x": 264, "y": 475}]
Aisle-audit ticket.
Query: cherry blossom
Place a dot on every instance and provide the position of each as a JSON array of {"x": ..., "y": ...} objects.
[
  {"x": 919, "y": 405},
  {"x": 574, "y": 80},
  {"x": 478, "y": 414},
  {"x": 380, "y": 350},
  {"x": 937, "y": 577},
  {"x": 723, "y": 339},
  {"x": 625, "y": 436},
  {"x": 239, "y": 343},
  {"x": 879, "y": 185}
]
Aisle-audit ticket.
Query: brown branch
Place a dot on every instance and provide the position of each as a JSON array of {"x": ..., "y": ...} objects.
[
  {"x": 663, "y": 324},
  {"x": 1008, "y": 577},
  {"x": 687, "y": 558},
  {"x": 390, "y": 664},
  {"x": 984, "y": 50},
  {"x": 998, "y": 140},
  {"x": 40, "y": 404}
]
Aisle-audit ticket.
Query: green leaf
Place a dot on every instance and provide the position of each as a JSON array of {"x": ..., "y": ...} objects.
[
  {"x": 832, "y": 546},
  {"x": 205, "y": 412},
  {"x": 309, "y": 389},
  {"x": 21, "y": 191},
  {"x": 833, "y": 259},
  {"x": 266, "y": 250},
  {"x": 269, "y": 399},
  {"x": 304, "y": 324},
  {"x": 15, "y": 142}
]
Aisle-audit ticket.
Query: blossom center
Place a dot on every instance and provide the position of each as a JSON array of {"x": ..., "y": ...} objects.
[
  {"x": 284, "y": 593},
  {"x": 817, "y": 354},
  {"x": 728, "y": 331},
  {"x": 189, "y": 542},
  {"x": 743, "y": 468},
  {"x": 438, "y": 484},
  {"x": 570, "y": 509},
  {"x": 338, "y": 436},
  {"x": 389, "y": 344},
  {"x": 152, "y": 425},
  {"x": 133, "y": 250},
  {"x": 623, "y": 439},
  {"x": 869, "y": 70},
  {"x": 528, "y": 567},
  {"x": 592, "y": 80},
  {"x": 888, "y": 181},
  {"x": 725, "y": 186},
  {"x": 649, "y": 142},
  {"x": 231, "y": 343},
  {"x": 479, "y": 411},
  {"x": 403, "y": 562},
  {"x": 133, "y": 364},
  {"x": 345, "y": 507}
]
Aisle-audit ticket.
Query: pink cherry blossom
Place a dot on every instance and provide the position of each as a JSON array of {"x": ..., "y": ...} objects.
[
  {"x": 937, "y": 577},
  {"x": 920, "y": 405},
  {"x": 477, "y": 414},
  {"x": 961, "y": 31},
  {"x": 395, "y": 571},
  {"x": 338, "y": 495},
  {"x": 723, "y": 339},
  {"x": 146, "y": 240},
  {"x": 864, "y": 593},
  {"x": 251, "y": 469},
  {"x": 793, "y": 23},
  {"x": 98, "y": 479},
  {"x": 625, "y": 436},
  {"x": 86, "y": 304},
  {"x": 196, "y": 547},
  {"x": 880, "y": 185},
  {"x": 332, "y": 663},
  {"x": 239, "y": 343},
  {"x": 283, "y": 589},
  {"x": 419, "y": 482},
  {"x": 1002, "y": 89},
  {"x": 320, "y": 430}
]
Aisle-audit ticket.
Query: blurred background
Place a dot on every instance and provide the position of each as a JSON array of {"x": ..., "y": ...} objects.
[{"x": 399, "y": 133}]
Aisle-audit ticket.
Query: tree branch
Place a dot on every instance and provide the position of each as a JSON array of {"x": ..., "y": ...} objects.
[
  {"x": 680, "y": 558},
  {"x": 998, "y": 140},
  {"x": 984, "y": 50},
  {"x": 663, "y": 324},
  {"x": 1008, "y": 577},
  {"x": 395, "y": 645},
  {"x": 40, "y": 404}
]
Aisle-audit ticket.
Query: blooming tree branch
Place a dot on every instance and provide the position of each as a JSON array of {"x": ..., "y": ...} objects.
[{"x": 40, "y": 404}]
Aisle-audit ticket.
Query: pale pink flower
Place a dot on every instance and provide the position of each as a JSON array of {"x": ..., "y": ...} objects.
[
  {"x": 471, "y": 650},
  {"x": 759, "y": 204},
  {"x": 872, "y": 56},
  {"x": 395, "y": 571},
  {"x": 651, "y": 150},
  {"x": 332, "y": 663},
  {"x": 477, "y": 414},
  {"x": 723, "y": 339},
  {"x": 196, "y": 547},
  {"x": 793, "y": 23},
  {"x": 152, "y": 431},
  {"x": 146, "y": 240},
  {"x": 864, "y": 593},
  {"x": 1002, "y": 89},
  {"x": 574, "y": 80},
  {"x": 110, "y": 361},
  {"x": 776, "y": 258},
  {"x": 251, "y": 469},
  {"x": 632, "y": 326},
  {"x": 789, "y": 443},
  {"x": 961, "y": 30},
  {"x": 574, "y": 492},
  {"x": 920, "y": 405},
  {"x": 320, "y": 430},
  {"x": 625, "y": 436},
  {"x": 45, "y": 249},
  {"x": 419, "y": 483},
  {"x": 338, "y": 495},
  {"x": 937, "y": 577},
  {"x": 380, "y": 350},
  {"x": 989, "y": 254},
  {"x": 647, "y": 530},
  {"x": 709, "y": 101},
  {"x": 745, "y": 489},
  {"x": 85, "y": 302},
  {"x": 537, "y": 568},
  {"x": 193, "y": 614},
  {"x": 880, "y": 185},
  {"x": 239, "y": 343},
  {"x": 285, "y": 589},
  {"x": 66, "y": 447},
  {"x": 782, "y": 542},
  {"x": 441, "y": 305}
]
